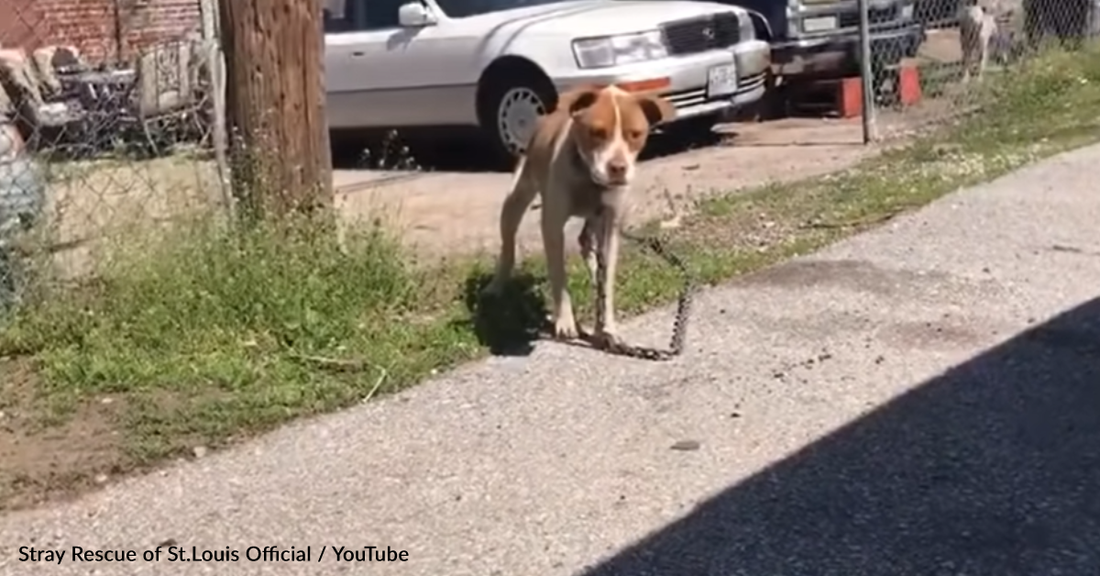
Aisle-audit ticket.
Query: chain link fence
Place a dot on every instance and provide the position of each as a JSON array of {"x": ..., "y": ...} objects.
[
  {"x": 107, "y": 112},
  {"x": 965, "y": 45}
]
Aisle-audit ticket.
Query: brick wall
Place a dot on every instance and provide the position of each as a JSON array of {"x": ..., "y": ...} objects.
[{"x": 101, "y": 29}]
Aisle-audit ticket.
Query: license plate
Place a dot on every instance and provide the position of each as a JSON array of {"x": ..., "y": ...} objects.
[
  {"x": 722, "y": 80},
  {"x": 819, "y": 24}
]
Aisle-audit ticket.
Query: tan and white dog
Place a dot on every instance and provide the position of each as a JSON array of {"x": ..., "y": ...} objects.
[
  {"x": 581, "y": 160},
  {"x": 977, "y": 27}
]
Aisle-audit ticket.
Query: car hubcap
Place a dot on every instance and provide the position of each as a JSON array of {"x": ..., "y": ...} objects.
[{"x": 519, "y": 110}]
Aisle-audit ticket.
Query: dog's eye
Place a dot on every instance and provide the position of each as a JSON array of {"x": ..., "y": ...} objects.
[
  {"x": 635, "y": 134},
  {"x": 598, "y": 133}
]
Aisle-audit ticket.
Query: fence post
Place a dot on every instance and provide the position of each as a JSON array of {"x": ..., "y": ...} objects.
[
  {"x": 275, "y": 106},
  {"x": 211, "y": 37},
  {"x": 866, "y": 73}
]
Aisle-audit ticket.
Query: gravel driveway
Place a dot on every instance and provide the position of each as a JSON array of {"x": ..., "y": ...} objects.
[{"x": 425, "y": 207}]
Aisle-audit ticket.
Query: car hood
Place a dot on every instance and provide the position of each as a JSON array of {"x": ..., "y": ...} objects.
[{"x": 581, "y": 18}]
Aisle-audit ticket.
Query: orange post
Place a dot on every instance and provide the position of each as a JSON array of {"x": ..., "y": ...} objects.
[
  {"x": 850, "y": 97},
  {"x": 909, "y": 84}
]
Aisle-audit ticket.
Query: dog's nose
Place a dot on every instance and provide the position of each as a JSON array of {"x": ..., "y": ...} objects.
[{"x": 616, "y": 169}]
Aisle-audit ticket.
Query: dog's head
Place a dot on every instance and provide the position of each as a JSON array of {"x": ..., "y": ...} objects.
[{"x": 610, "y": 128}]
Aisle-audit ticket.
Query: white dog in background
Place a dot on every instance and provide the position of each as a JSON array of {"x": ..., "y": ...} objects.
[{"x": 977, "y": 27}]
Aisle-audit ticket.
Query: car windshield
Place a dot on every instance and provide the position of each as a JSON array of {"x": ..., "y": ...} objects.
[{"x": 463, "y": 8}]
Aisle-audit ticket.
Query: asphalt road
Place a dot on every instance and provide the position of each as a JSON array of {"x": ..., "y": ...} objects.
[{"x": 920, "y": 400}]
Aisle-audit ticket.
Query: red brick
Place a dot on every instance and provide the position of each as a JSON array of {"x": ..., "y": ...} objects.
[{"x": 93, "y": 26}]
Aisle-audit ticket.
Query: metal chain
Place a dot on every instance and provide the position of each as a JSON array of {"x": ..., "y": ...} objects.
[{"x": 683, "y": 304}]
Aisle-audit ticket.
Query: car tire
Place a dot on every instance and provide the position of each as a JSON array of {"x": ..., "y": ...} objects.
[{"x": 510, "y": 109}]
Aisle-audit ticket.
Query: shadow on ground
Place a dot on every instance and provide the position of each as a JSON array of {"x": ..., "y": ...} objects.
[
  {"x": 510, "y": 323},
  {"x": 991, "y": 469}
]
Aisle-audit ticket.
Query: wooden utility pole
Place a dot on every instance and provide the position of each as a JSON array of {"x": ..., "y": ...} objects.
[{"x": 275, "y": 106}]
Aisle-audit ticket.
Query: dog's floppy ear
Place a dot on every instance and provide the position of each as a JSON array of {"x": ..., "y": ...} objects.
[
  {"x": 656, "y": 108},
  {"x": 577, "y": 99}
]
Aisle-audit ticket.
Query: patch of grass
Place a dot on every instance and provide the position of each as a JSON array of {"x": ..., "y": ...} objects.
[{"x": 210, "y": 335}]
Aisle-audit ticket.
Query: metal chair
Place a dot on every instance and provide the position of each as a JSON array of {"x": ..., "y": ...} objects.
[
  {"x": 34, "y": 113},
  {"x": 165, "y": 88},
  {"x": 52, "y": 63}
]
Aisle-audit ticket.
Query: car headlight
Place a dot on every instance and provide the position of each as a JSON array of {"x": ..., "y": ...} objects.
[{"x": 605, "y": 51}]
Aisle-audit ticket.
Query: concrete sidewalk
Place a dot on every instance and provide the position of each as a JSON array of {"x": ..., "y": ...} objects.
[{"x": 870, "y": 409}]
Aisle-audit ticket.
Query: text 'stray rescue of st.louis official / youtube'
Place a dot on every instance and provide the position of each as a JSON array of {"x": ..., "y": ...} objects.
[{"x": 176, "y": 553}]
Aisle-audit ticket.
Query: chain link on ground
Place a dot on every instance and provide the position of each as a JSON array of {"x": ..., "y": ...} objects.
[{"x": 659, "y": 247}]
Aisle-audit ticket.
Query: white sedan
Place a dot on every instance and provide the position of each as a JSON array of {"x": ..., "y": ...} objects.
[{"x": 498, "y": 64}]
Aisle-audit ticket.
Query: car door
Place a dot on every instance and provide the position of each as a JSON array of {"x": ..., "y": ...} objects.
[
  {"x": 434, "y": 70},
  {"x": 352, "y": 49},
  {"x": 407, "y": 76}
]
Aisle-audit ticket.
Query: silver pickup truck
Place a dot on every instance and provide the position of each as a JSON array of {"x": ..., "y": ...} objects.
[{"x": 821, "y": 37}]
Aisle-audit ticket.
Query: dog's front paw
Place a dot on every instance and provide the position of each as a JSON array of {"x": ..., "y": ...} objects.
[
  {"x": 493, "y": 288},
  {"x": 606, "y": 340},
  {"x": 565, "y": 328}
]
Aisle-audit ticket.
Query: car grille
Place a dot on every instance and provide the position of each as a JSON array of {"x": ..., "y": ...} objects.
[
  {"x": 698, "y": 96},
  {"x": 701, "y": 34},
  {"x": 874, "y": 16}
]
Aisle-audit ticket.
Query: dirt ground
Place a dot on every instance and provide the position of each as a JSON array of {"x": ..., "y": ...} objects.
[
  {"x": 427, "y": 207},
  {"x": 42, "y": 461}
]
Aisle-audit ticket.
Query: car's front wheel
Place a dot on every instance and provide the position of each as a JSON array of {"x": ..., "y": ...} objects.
[{"x": 511, "y": 110}]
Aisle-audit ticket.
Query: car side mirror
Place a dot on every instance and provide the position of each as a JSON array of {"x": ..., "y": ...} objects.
[{"x": 415, "y": 15}]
